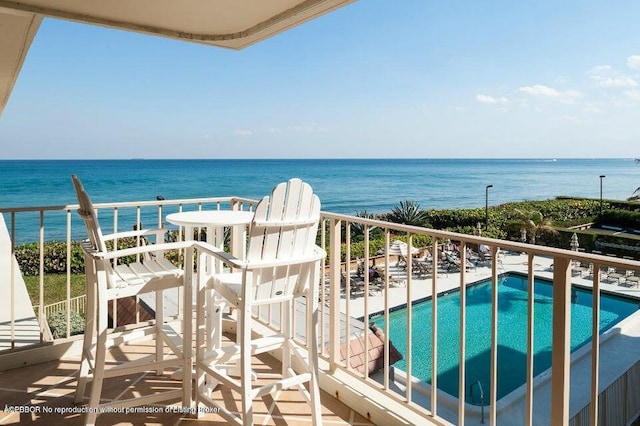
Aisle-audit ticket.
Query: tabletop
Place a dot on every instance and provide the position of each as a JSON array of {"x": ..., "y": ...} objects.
[{"x": 211, "y": 218}]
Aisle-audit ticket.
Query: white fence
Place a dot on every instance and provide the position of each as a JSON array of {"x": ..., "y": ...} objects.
[{"x": 76, "y": 304}]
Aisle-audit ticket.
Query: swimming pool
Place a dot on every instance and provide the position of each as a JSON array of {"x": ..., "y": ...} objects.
[{"x": 512, "y": 332}]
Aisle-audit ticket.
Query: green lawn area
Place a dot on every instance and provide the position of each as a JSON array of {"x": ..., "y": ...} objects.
[{"x": 55, "y": 287}]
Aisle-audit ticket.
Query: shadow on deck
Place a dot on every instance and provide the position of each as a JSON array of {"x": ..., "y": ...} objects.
[{"x": 46, "y": 391}]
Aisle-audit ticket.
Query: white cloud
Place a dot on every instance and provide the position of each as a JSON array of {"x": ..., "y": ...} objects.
[
  {"x": 243, "y": 133},
  {"x": 541, "y": 91},
  {"x": 633, "y": 94},
  {"x": 591, "y": 109},
  {"x": 617, "y": 82},
  {"x": 308, "y": 128},
  {"x": 599, "y": 70},
  {"x": 607, "y": 77},
  {"x": 486, "y": 99},
  {"x": 633, "y": 61}
]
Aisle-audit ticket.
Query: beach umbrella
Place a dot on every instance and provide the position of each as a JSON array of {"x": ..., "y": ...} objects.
[
  {"x": 398, "y": 247},
  {"x": 574, "y": 242}
]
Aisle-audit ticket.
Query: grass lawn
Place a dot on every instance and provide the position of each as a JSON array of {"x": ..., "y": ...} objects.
[{"x": 55, "y": 287}]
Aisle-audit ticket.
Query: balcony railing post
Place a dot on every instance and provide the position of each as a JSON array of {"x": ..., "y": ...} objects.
[
  {"x": 334, "y": 311},
  {"x": 595, "y": 346},
  {"x": 560, "y": 356},
  {"x": 12, "y": 297}
]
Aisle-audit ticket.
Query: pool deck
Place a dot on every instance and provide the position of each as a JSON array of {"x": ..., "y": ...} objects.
[{"x": 619, "y": 351}]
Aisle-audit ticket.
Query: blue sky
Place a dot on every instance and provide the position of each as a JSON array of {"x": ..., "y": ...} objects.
[{"x": 410, "y": 78}]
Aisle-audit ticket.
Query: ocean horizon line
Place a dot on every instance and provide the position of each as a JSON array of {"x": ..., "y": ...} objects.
[
  {"x": 344, "y": 185},
  {"x": 328, "y": 159}
]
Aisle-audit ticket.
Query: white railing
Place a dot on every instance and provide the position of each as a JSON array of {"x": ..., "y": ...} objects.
[
  {"x": 76, "y": 304},
  {"x": 438, "y": 406},
  {"x": 345, "y": 314},
  {"x": 66, "y": 226}
]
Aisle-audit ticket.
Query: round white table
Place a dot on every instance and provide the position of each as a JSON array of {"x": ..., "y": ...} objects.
[
  {"x": 208, "y": 218},
  {"x": 215, "y": 221}
]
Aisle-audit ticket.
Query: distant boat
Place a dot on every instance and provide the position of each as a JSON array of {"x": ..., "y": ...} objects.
[{"x": 637, "y": 160}]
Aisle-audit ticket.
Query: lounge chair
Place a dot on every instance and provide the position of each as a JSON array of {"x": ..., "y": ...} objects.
[
  {"x": 422, "y": 269},
  {"x": 632, "y": 280}
]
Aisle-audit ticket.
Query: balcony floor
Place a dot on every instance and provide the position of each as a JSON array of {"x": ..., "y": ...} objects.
[{"x": 50, "y": 387}]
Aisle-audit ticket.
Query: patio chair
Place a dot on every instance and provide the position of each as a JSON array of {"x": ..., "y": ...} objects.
[
  {"x": 395, "y": 277},
  {"x": 282, "y": 264},
  {"x": 616, "y": 275},
  {"x": 109, "y": 279},
  {"x": 422, "y": 269},
  {"x": 354, "y": 285},
  {"x": 632, "y": 280},
  {"x": 453, "y": 264},
  {"x": 582, "y": 269}
]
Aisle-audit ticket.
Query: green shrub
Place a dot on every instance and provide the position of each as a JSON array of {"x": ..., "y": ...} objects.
[
  {"x": 357, "y": 249},
  {"x": 54, "y": 256},
  {"x": 622, "y": 218},
  {"x": 563, "y": 211},
  {"x": 58, "y": 323},
  {"x": 455, "y": 218}
]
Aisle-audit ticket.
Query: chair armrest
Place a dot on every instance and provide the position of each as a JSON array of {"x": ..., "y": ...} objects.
[
  {"x": 234, "y": 262},
  {"x": 114, "y": 254},
  {"x": 206, "y": 248},
  {"x": 134, "y": 233}
]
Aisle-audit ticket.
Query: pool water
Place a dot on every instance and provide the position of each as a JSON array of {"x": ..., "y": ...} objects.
[{"x": 512, "y": 332}]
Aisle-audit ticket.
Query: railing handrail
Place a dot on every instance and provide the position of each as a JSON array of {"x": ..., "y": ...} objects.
[
  {"x": 503, "y": 244},
  {"x": 125, "y": 204}
]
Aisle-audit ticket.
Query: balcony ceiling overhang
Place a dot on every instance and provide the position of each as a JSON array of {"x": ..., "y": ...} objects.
[{"x": 233, "y": 24}]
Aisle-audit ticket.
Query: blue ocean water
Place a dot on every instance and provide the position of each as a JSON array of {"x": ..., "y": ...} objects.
[{"x": 344, "y": 185}]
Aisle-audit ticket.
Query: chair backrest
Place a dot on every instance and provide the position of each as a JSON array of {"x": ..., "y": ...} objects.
[
  {"x": 284, "y": 228},
  {"x": 88, "y": 215}
]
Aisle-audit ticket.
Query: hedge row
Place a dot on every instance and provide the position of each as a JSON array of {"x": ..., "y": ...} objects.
[
  {"x": 627, "y": 219},
  {"x": 55, "y": 257}
]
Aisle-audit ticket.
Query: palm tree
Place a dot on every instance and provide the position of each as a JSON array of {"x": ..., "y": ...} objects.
[
  {"x": 357, "y": 229},
  {"x": 409, "y": 213},
  {"x": 533, "y": 222}
]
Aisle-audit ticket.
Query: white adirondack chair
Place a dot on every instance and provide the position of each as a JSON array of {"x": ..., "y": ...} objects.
[
  {"x": 108, "y": 279},
  {"x": 282, "y": 264}
]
